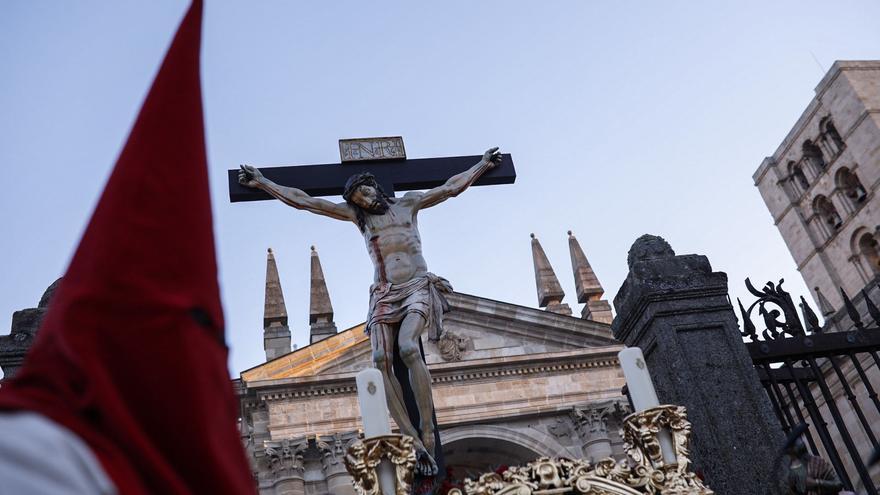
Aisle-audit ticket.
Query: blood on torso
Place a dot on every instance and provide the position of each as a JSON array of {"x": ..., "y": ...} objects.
[{"x": 394, "y": 244}]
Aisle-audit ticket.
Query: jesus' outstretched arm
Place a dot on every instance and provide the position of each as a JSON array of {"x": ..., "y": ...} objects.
[
  {"x": 291, "y": 196},
  {"x": 458, "y": 183}
]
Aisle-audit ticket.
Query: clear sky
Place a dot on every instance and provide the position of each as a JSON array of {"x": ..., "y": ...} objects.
[{"x": 623, "y": 118}]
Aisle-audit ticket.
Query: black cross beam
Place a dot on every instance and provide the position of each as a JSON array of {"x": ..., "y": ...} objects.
[{"x": 396, "y": 175}]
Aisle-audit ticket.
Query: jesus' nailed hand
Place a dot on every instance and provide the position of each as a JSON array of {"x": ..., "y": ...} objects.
[{"x": 406, "y": 299}]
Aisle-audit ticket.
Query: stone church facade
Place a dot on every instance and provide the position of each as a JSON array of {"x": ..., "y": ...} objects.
[
  {"x": 821, "y": 188},
  {"x": 821, "y": 183},
  {"x": 510, "y": 384}
]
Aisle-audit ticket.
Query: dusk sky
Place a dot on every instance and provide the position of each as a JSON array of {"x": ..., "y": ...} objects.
[{"x": 623, "y": 118}]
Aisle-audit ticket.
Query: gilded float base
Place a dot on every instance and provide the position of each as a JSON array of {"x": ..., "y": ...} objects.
[{"x": 643, "y": 472}]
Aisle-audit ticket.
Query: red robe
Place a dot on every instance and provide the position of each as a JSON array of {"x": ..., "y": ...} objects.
[{"x": 131, "y": 355}]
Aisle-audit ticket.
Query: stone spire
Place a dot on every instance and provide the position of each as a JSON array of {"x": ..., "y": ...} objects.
[
  {"x": 320, "y": 310},
  {"x": 276, "y": 333},
  {"x": 824, "y": 306},
  {"x": 589, "y": 290},
  {"x": 550, "y": 293}
]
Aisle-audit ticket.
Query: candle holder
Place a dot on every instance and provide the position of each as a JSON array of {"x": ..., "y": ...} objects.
[
  {"x": 644, "y": 472},
  {"x": 364, "y": 456},
  {"x": 641, "y": 440}
]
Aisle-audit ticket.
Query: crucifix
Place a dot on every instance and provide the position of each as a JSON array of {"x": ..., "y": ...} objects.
[
  {"x": 393, "y": 174},
  {"x": 406, "y": 300}
]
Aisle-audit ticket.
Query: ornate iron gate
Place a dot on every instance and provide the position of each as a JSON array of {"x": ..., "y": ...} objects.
[{"x": 823, "y": 380}]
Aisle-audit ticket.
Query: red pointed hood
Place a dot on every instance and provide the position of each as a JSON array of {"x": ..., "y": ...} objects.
[{"x": 131, "y": 355}]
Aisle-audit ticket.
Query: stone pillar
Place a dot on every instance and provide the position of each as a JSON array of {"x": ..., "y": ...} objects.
[
  {"x": 290, "y": 486},
  {"x": 283, "y": 461},
  {"x": 550, "y": 293},
  {"x": 597, "y": 311},
  {"x": 25, "y": 323},
  {"x": 332, "y": 449},
  {"x": 276, "y": 333},
  {"x": 321, "y": 323},
  {"x": 677, "y": 310},
  {"x": 586, "y": 283},
  {"x": 257, "y": 420},
  {"x": 592, "y": 426}
]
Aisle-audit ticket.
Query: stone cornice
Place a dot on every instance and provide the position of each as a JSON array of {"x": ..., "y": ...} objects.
[
  {"x": 442, "y": 373},
  {"x": 521, "y": 320},
  {"x": 555, "y": 325},
  {"x": 815, "y": 104},
  {"x": 534, "y": 368},
  {"x": 642, "y": 309},
  {"x": 529, "y": 360},
  {"x": 687, "y": 277},
  {"x": 679, "y": 278},
  {"x": 838, "y": 67}
]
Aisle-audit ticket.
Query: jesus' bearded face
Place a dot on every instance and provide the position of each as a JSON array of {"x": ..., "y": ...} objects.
[{"x": 368, "y": 198}]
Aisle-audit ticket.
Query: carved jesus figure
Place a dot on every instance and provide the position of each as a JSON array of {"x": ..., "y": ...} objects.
[{"x": 406, "y": 300}]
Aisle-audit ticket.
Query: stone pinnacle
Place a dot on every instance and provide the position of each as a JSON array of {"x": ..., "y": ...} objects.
[{"x": 550, "y": 293}]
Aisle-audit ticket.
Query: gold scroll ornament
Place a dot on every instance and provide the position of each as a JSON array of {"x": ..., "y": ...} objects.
[
  {"x": 364, "y": 456},
  {"x": 644, "y": 472}
]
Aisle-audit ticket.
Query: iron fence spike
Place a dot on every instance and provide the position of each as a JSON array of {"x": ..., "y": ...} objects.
[
  {"x": 810, "y": 317},
  {"x": 872, "y": 308},
  {"x": 851, "y": 310},
  {"x": 748, "y": 327}
]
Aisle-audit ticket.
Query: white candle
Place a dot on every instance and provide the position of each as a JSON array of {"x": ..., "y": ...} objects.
[
  {"x": 638, "y": 380},
  {"x": 371, "y": 398},
  {"x": 374, "y": 414},
  {"x": 643, "y": 395}
]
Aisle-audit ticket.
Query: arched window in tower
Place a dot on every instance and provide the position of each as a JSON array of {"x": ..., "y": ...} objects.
[
  {"x": 831, "y": 136},
  {"x": 869, "y": 248},
  {"x": 813, "y": 156},
  {"x": 827, "y": 212},
  {"x": 852, "y": 187},
  {"x": 798, "y": 179}
]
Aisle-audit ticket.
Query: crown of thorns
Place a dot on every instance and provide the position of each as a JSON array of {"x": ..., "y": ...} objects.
[{"x": 358, "y": 180}]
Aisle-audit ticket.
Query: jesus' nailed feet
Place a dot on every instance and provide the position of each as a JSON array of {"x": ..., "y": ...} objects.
[{"x": 426, "y": 466}]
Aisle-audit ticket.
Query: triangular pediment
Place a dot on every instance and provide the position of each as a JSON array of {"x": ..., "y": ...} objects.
[
  {"x": 476, "y": 328},
  {"x": 348, "y": 350}
]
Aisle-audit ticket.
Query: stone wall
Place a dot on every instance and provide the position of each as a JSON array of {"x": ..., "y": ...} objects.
[
  {"x": 564, "y": 403},
  {"x": 842, "y": 253},
  {"x": 828, "y": 223},
  {"x": 25, "y": 323}
]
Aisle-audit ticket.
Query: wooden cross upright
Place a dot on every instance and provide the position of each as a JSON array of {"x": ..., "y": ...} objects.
[{"x": 394, "y": 174}]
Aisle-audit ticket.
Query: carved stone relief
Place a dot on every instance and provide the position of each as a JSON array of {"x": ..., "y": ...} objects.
[
  {"x": 332, "y": 449},
  {"x": 561, "y": 428},
  {"x": 284, "y": 458},
  {"x": 592, "y": 425},
  {"x": 451, "y": 345}
]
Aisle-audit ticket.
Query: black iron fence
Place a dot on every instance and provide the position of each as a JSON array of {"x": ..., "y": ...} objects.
[{"x": 827, "y": 381}]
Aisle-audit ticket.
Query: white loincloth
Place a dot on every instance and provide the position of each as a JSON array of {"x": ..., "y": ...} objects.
[{"x": 390, "y": 303}]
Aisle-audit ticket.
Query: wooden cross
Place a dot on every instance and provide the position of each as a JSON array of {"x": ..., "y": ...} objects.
[{"x": 392, "y": 175}]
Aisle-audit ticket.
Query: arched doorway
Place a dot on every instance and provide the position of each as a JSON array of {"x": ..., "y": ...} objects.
[{"x": 472, "y": 456}]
